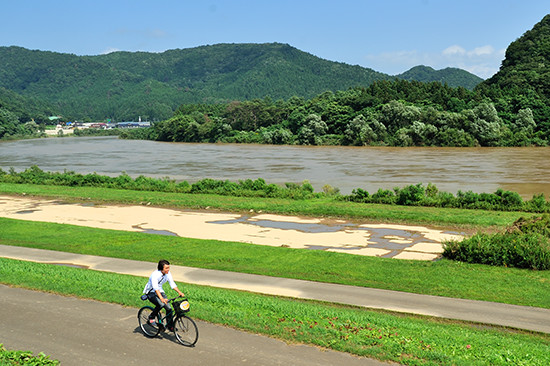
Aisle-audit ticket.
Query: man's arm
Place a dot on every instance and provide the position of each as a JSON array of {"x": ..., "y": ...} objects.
[
  {"x": 179, "y": 292},
  {"x": 160, "y": 296},
  {"x": 174, "y": 286}
]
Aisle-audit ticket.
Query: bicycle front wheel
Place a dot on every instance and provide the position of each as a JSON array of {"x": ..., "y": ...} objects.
[
  {"x": 148, "y": 329},
  {"x": 186, "y": 331}
]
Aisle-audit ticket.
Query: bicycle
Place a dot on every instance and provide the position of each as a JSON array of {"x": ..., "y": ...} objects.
[{"x": 185, "y": 329}]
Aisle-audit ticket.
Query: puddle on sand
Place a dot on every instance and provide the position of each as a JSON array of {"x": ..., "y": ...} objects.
[
  {"x": 321, "y": 247},
  {"x": 385, "y": 238},
  {"x": 285, "y": 225},
  {"x": 394, "y": 240},
  {"x": 153, "y": 231},
  {"x": 159, "y": 232},
  {"x": 26, "y": 211}
]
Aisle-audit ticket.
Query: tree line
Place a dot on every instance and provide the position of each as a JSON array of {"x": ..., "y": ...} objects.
[
  {"x": 386, "y": 113},
  {"x": 412, "y": 195}
]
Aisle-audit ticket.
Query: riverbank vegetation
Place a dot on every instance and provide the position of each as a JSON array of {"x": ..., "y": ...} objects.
[
  {"x": 24, "y": 358},
  {"x": 407, "y": 339},
  {"x": 450, "y": 218},
  {"x": 412, "y": 195},
  {"x": 525, "y": 244},
  {"x": 21, "y": 117},
  {"x": 440, "y": 278},
  {"x": 386, "y": 113}
]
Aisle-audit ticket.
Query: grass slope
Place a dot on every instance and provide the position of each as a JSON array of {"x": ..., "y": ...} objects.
[
  {"x": 443, "y": 278},
  {"x": 409, "y": 340}
]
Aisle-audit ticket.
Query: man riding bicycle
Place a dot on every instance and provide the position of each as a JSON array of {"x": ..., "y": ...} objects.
[{"x": 155, "y": 293}]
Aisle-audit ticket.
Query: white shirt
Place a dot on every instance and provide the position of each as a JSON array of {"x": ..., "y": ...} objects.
[{"x": 156, "y": 280}]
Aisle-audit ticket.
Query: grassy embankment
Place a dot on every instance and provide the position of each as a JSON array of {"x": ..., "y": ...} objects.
[
  {"x": 318, "y": 207},
  {"x": 410, "y": 340},
  {"x": 406, "y": 339},
  {"x": 444, "y": 277}
]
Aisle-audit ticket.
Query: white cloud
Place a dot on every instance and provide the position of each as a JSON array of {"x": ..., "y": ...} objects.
[
  {"x": 483, "y": 61},
  {"x": 480, "y": 51},
  {"x": 109, "y": 50},
  {"x": 454, "y": 50}
]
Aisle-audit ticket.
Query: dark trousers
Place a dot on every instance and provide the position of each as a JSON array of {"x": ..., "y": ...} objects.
[{"x": 152, "y": 296}]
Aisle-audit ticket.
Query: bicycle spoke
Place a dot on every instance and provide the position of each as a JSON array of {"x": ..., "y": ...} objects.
[
  {"x": 186, "y": 331},
  {"x": 150, "y": 330}
]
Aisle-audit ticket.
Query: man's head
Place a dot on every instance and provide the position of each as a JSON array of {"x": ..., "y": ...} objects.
[{"x": 164, "y": 266}]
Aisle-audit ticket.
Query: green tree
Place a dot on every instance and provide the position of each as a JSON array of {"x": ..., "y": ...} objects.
[
  {"x": 312, "y": 131},
  {"x": 396, "y": 115},
  {"x": 525, "y": 121},
  {"x": 423, "y": 134}
]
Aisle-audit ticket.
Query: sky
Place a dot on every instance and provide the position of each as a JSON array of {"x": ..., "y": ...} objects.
[{"x": 389, "y": 36}]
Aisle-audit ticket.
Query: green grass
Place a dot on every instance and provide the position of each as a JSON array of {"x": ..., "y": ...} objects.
[
  {"x": 443, "y": 278},
  {"x": 410, "y": 340},
  {"x": 11, "y": 357},
  {"x": 322, "y": 207}
]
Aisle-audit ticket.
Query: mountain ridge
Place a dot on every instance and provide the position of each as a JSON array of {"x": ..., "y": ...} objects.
[
  {"x": 452, "y": 76},
  {"x": 123, "y": 84}
]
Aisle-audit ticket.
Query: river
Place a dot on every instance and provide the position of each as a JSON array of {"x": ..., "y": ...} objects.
[{"x": 524, "y": 170}]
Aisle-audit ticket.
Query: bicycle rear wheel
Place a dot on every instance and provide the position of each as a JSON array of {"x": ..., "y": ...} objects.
[
  {"x": 148, "y": 329},
  {"x": 186, "y": 331}
]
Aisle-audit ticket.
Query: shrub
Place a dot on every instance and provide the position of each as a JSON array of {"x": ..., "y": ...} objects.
[
  {"x": 537, "y": 204},
  {"x": 526, "y": 244},
  {"x": 359, "y": 195},
  {"x": 540, "y": 225},
  {"x": 413, "y": 195},
  {"x": 384, "y": 196},
  {"x": 8, "y": 357},
  {"x": 330, "y": 190},
  {"x": 410, "y": 195}
]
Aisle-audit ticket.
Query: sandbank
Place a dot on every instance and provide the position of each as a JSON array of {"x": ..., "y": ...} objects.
[{"x": 395, "y": 241}]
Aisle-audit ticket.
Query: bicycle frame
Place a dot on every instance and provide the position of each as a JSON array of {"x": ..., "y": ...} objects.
[
  {"x": 161, "y": 318},
  {"x": 185, "y": 329}
]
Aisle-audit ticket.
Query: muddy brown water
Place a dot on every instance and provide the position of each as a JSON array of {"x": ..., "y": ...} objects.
[{"x": 524, "y": 170}]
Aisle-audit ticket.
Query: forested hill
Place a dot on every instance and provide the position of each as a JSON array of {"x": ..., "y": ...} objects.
[
  {"x": 451, "y": 76},
  {"x": 123, "y": 85},
  {"x": 243, "y": 71},
  {"x": 527, "y": 61},
  {"x": 510, "y": 109},
  {"x": 21, "y": 115},
  {"x": 523, "y": 80}
]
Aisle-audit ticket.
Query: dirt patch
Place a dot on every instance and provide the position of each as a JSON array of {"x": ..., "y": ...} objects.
[{"x": 360, "y": 238}]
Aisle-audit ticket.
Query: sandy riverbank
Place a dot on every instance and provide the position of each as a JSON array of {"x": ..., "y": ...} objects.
[
  {"x": 56, "y": 132},
  {"x": 396, "y": 241}
]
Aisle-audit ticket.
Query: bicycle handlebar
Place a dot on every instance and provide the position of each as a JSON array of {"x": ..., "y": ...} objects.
[{"x": 177, "y": 297}]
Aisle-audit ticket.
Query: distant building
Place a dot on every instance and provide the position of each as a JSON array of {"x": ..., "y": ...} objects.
[
  {"x": 102, "y": 126},
  {"x": 133, "y": 124}
]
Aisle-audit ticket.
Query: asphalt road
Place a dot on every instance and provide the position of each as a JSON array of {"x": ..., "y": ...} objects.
[
  {"x": 522, "y": 317},
  {"x": 86, "y": 332}
]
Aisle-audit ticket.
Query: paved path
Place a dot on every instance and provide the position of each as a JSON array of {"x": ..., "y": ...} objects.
[
  {"x": 522, "y": 317},
  {"x": 86, "y": 332}
]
